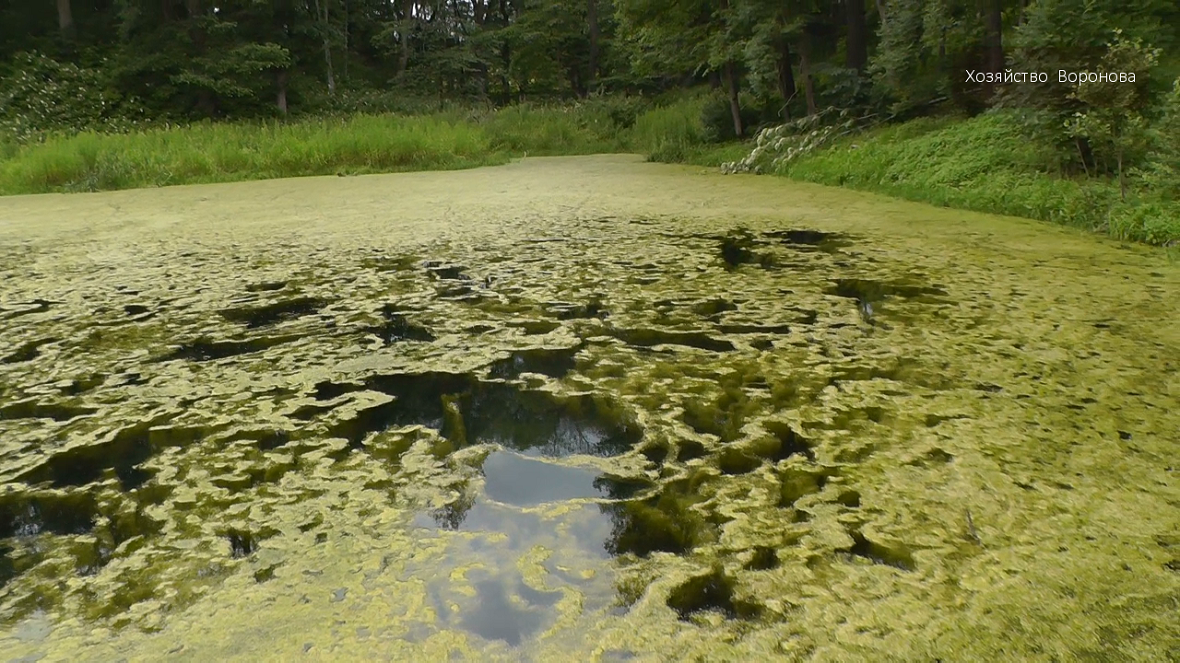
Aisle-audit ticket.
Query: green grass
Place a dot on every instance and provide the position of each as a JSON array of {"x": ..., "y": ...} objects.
[
  {"x": 669, "y": 133},
  {"x": 361, "y": 143},
  {"x": 447, "y": 139},
  {"x": 985, "y": 164},
  {"x": 246, "y": 151},
  {"x": 548, "y": 131}
]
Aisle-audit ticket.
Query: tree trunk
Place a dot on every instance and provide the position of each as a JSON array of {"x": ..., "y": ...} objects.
[
  {"x": 729, "y": 72},
  {"x": 786, "y": 77},
  {"x": 505, "y": 84},
  {"x": 403, "y": 56},
  {"x": 323, "y": 17},
  {"x": 328, "y": 62},
  {"x": 805, "y": 70},
  {"x": 403, "y": 40},
  {"x": 881, "y": 11},
  {"x": 1082, "y": 156},
  {"x": 592, "y": 20},
  {"x": 65, "y": 19},
  {"x": 484, "y": 83},
  {"x": 506, "y": 56},
  {"x": 196, "y": 32},
  {"x": 575, "y": 80},
  {"x": 1122, "y": 178},
  {"x": 857, "y": 44},
  {"x": 346, "y": 41},
  {"x": 995, "y": 29},
  {"x": 281, "y": 82}
]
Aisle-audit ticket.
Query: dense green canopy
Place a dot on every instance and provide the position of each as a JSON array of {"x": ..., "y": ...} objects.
[{"x": 194, "y": 58}]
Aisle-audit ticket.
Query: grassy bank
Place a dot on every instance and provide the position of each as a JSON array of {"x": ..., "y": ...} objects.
[
  {"x": 985, "y": 164},
  {"x": 360, "y": 144},
  {"x": 231, "y": 152}
]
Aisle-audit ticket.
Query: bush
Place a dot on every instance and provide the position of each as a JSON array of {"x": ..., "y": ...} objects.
[
  {"x": 547, "y": 130},
  {"x": 619, "y": 111},
  {"x": 1152, "y": 222},
  {"x": 668, "y": 133},
  {"x": 346, "y": 102},
  {"x": 1162, "y": 170},
  {"x": 717, "y": 120},
  {"x": 45, "y": 96}
]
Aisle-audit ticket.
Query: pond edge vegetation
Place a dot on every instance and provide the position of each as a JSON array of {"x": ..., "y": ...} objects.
[{"x": 984, "y": 163}]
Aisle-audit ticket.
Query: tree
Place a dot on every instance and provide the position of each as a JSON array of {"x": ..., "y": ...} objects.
[
  {"x": 1112, "y": 119},
  {"x": 65, "y": 19},
  {"x": 856, "y": 44}
]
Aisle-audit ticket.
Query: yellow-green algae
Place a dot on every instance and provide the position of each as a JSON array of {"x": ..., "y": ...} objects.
[{"x": 928, "y": 434}]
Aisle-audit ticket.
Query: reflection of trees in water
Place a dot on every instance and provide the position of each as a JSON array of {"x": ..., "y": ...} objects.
[
  {"x": 499, "y": 413},
  {"x": 516, "y": 419},
  {"x": 647, "y": 526},
  {"x": 452, "y": 515}
]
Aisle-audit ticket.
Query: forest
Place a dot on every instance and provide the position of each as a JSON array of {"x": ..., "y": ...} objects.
[{"x": 1041, "y": 78}]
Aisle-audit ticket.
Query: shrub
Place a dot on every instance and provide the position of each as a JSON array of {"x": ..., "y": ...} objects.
[
  {"x": 44, "y": 95},
  {"x": 669, "y": 132},
  {"x": 717, "y": 120},
  {"x": 619, "y": 111},
  {"x": 1161, "y": 173}
]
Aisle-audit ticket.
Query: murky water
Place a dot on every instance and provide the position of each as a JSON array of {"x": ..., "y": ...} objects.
[{"x": 586, "y": 408}]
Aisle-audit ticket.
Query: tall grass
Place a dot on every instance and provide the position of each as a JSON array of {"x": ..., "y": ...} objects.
[
  {"x": 669, "y": 133},
  {"x": 446, "y": 139},
  {"x": 548, "y": 131},
  {"x": 245, "y": 151}
]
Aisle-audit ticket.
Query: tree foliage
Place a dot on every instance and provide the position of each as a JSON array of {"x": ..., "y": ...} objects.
[
  {"x": 99, "y": 63},
  {"x": 1111, "y": 118}
]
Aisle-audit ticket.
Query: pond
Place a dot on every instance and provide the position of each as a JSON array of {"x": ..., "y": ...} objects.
[{"x": 579, "y": 407}]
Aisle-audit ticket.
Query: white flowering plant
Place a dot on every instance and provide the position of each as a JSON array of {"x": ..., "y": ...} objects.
[{"x": 777, "y": 146}]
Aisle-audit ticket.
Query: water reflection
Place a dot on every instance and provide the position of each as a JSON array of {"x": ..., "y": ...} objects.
[
  {"x": 470, "y": 411},
  {"x": 479, "y": 587}
]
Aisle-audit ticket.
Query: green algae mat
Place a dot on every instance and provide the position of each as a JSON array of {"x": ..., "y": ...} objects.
[{"x": 580, "y": 409}]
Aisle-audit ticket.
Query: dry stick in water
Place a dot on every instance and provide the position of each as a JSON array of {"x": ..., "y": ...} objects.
[{"x": 971, "y": 528}]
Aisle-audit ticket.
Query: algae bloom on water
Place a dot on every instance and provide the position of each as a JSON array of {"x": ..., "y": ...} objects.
[{"x": 591, "y": 407}]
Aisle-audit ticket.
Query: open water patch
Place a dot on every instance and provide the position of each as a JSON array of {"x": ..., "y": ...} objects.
[
  {"x": 26, "y": 352},
  {"x": 33, "y": 409},
  {"x": 25, "y": 513},
  {"x": 270, "y": 314},
  {"x": 521, "y": 481},
  {"x": 872, "y": 292},
  {"x": 122, "y": 451},
  {"x": 710, "y": 592},
  {"x": 397, "y": 327},
  {"x": 467, "y": 411},
  {"x": 555, "y": 363},
  {"x": 811, "y": 240},
  {"x": 863, "y": 548},
  {"x": 207, "y": 349},
  {"x": 652, "y": 338}
]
